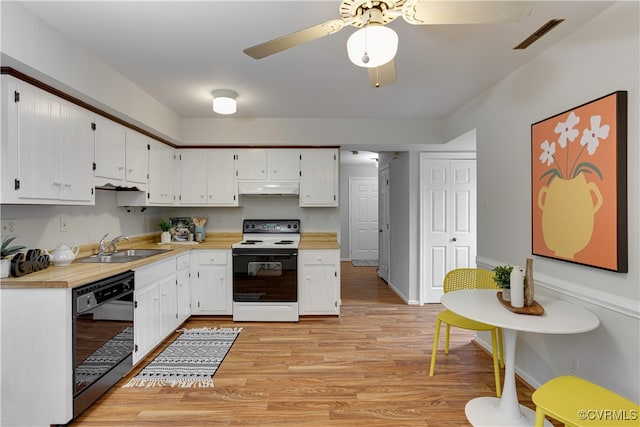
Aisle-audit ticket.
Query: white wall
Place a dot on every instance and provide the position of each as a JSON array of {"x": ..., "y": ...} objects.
[
  {"x": 271, "y": 131},
  {"x": 264, "y": 207},
  {"x": 598, "y": 58},
  {"x": 38, "y": 226}
]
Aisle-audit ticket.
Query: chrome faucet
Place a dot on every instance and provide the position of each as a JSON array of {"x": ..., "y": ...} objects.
[{"x": 104, "y": 247}]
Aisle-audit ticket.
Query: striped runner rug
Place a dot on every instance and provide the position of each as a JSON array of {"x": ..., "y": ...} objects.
[{"x": 189, "y": 361}]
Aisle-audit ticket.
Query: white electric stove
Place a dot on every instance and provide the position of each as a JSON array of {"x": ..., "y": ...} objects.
[{"x": 265, "y": 271}]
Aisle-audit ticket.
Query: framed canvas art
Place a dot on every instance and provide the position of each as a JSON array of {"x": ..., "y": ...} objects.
[{"x": 579, "y": 184}]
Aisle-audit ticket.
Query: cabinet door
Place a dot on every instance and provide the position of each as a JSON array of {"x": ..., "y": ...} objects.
[
  {"x": 251, "y": 164},
  {"x": 319, "y": 180},
  {"x": 221, "y": 182},
  {"x": 319, "y": 282},
  {"x": 283, "y": 164},
  {"x": 110, "y": 146},
  {"x": 184, "y": 294},
  {"x": 76, "y": 155},
  {"x": 136, "y": 158},
  {"x": 146, "y": 322},
  {"x": 211, "y": 282},
  {"x": 168, "y": 305},
  {"x": 38, "y": 146},
  {"x": 212, "y": 290},
  {"x": 193, "y": 177},
  {"x": 161, "y": 174}
]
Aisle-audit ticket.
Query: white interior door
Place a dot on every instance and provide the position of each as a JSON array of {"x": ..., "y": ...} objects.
[
  {"x": 384, "y": 229},
  {"x": 448, "y": 214},
  {"x": 363, "y": 201}
]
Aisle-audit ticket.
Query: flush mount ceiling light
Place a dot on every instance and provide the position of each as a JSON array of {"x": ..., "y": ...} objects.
[
  {"x": 224, "y": 101},
  {"x": 374, "y": 44}
]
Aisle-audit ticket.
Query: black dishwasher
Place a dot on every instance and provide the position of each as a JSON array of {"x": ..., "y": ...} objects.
[{"x": 102, "y": 337}]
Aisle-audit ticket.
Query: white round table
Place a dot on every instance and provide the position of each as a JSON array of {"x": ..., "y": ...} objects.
[{"x": 482, "y": 305}]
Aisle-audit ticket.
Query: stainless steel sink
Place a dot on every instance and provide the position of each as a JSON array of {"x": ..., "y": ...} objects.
[{"x": 126, "y": 255}]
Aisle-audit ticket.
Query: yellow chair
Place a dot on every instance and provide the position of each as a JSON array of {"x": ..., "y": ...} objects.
[
  {"x": 577, "y": 402},
  {"x": 469, "y": 278}
]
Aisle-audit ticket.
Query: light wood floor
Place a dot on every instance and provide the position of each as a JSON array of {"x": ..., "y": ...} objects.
[{"x": 368, "y": 367}]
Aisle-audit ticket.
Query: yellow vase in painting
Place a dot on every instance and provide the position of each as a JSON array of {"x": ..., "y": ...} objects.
[{"x": 568, "y": 210}]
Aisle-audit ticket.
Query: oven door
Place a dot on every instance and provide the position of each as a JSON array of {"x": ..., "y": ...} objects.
[{"x": 265, "y": 275}]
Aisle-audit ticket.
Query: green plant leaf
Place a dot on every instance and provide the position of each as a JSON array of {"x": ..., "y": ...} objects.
[
  {"x": 552, "y": 174},
  {"x": 587, "y": 167}
]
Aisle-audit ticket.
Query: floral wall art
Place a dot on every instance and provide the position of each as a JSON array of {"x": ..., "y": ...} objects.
[{"x": 579, "y": 184}]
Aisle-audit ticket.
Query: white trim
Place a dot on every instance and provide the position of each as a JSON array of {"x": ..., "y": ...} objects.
[{"x": 615, "y": 303}]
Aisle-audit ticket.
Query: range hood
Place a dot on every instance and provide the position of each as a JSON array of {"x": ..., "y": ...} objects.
[{"x": 260, "y": 188}]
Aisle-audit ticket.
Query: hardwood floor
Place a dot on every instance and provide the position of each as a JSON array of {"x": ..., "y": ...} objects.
[{"x": 368, "y": 367}]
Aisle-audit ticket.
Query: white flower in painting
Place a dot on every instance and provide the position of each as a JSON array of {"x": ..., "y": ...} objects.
[
  {"x": 566, "y": 130},
  {"x": 591, "y": 137},
  {"x": 548, "y": 150}
]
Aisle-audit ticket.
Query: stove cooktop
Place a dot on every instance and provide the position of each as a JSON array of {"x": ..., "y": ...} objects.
[{"x": 269, "y": 234}]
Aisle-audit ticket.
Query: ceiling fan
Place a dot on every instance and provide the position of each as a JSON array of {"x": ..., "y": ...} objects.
[{"x": 375, "y": 14}]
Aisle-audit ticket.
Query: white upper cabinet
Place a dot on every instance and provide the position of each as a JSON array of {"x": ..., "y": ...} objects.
[
  {"x": 137, "y": 159},
  {"x": 222, "y": 188},
  {"x": 251, "y": 164},
  {"x": 193, "y": 177},
  {"x": 47, "y": 148},
  {"x": 283, "y": 165},
  {"x": 319, "y": 180},
  {"x": 163, "y": 171},
  {"x": 121, "y": 155},
  {"x": 207, "y": 177},
  {"x": 267, "y": 164},
  {"x": 110, "y": 152},
  {"x": 162, "y": 163}
]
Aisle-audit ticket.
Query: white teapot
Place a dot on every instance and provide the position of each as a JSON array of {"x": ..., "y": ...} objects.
[{"x": 63, "y": 255}]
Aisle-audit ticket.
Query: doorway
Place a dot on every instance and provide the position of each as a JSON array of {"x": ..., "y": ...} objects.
[{"x": 363, "y": 217}]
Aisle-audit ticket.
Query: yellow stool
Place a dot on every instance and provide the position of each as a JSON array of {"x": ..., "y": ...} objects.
[{"x": 577, "y": 402}]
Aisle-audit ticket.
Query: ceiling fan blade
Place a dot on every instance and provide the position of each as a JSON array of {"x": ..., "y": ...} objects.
[
  {"x": 383, "y": 75},
  {"x": 426, "y": 12},
  {"x": 294, "y": 39}
]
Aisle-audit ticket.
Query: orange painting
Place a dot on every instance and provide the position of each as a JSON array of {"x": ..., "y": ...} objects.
[{"x": 579, "y": 187}]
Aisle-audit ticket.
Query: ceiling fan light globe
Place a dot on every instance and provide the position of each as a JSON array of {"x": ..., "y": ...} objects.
[{"x": 376, "y": 43}]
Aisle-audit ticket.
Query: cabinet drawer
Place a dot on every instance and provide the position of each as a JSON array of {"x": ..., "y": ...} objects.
[
  {"x": 319, "y": 257},
  {"x": 182, "y": 262},
  {"x": 212, "y": 258}
]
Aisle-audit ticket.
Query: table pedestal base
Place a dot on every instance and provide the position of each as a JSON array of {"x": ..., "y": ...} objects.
[{"x": 483, "y": 411}]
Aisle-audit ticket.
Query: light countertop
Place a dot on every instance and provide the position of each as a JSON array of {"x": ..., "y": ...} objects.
[{"x": 78, "y": 274}]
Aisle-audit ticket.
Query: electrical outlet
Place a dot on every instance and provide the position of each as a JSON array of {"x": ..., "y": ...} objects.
[
  {"x": 64, "y": 223},
  {"x": 8, "y": 226},
  {"x": 573, "y": 364}
]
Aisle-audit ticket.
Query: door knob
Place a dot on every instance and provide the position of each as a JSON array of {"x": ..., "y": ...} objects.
[{"x": 454, "y": 240}]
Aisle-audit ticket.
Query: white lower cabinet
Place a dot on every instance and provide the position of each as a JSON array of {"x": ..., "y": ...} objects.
[
  {"x": 211, "y": 280},
  {"x": 183, "y": 282},
  {"x": 156, "y": 306},
  {"x": 319, "y": 282}
]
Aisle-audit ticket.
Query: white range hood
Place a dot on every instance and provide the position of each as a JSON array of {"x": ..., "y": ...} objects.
[{"x": 260, "y": 188}]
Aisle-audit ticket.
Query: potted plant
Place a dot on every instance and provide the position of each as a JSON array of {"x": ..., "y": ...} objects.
[
  {"x": 502, "y": 277},
  {"x": 164, "y": 225},
  {"x": 5, "y": 252}
]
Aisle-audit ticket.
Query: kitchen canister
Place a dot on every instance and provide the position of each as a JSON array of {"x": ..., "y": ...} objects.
[{"x": 517, "y": 286}]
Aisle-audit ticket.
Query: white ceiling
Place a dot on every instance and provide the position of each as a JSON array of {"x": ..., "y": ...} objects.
[{"x": 179, "y": 51}]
